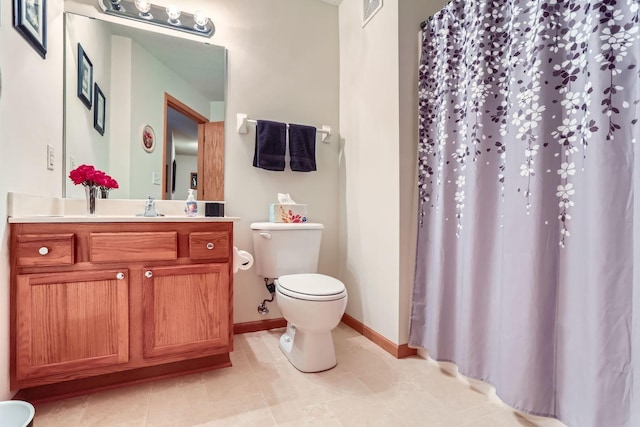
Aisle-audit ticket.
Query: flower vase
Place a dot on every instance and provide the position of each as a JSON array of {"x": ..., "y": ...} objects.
[
  {"x": 104, "y": 192},
  {"x": 91, "y": 192}
]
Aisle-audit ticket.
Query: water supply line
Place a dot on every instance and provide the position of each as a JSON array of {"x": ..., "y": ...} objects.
[{"x": 271, "y": 287}]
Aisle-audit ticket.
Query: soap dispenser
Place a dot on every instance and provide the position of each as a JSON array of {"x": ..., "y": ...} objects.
[{"x": 191, "y": 208}]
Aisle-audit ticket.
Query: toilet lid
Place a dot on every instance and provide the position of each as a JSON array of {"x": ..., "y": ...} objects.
[{"x": 311, "y": 286}]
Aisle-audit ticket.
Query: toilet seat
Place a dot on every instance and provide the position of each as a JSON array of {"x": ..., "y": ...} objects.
[{"x": 311, "y": 287}]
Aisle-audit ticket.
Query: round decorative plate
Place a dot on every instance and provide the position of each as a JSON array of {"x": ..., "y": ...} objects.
[{"x": 148, "y": 139}]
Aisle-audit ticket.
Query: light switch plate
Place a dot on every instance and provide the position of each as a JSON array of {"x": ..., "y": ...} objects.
[{"x": 50, "y": 157}]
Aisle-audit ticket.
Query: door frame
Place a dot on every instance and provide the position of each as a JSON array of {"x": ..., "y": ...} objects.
[{"x": 176, "y": 104}]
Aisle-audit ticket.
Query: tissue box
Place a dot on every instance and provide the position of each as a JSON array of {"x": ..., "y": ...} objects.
[{"x": 287, "y": 213}]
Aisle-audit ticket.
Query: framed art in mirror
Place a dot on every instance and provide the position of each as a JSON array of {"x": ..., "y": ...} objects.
[
  {"x": 99, "y": 110},
  {"x": 148, "y": 139},
  {"x": 85, "y": 77},
  {"x": 29, "y": 18}
]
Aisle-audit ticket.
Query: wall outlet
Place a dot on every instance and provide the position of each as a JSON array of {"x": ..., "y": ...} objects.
[
  {"x": 155, "y": 178},
  {"x": 50, "y": 157}
]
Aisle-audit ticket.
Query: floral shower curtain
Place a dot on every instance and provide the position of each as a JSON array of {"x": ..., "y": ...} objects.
[{"x": 529, "y": 224}]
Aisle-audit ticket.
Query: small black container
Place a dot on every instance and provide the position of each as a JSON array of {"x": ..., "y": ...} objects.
[{"x": 214, "y": 209}]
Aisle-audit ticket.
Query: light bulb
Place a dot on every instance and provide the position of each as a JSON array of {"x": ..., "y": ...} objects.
[
  {"x": 144, "y": 6},
  {"x": 173, "y": 13},
  {"x": 200, "y": 19}
]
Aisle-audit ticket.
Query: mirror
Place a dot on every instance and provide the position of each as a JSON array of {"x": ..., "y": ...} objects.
[{"x": 156, "y": 125}]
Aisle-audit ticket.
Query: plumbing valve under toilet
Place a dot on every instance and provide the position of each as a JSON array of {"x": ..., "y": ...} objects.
[{"x": 271, "y": 287}]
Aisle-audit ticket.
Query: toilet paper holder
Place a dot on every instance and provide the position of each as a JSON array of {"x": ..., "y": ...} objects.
[{"x": 242, "y": 260}]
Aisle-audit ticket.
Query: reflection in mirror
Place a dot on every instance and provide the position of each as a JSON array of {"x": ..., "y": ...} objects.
[
  {"x": 138, "y": 71},
  {"x": 182, "y": 153}
]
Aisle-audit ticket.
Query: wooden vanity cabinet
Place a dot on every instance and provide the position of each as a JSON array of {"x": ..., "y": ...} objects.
[
  {"x": 67, "y": 322},
  {"x": 106, "y": 303},
  {"x": 182, "y": 311}
]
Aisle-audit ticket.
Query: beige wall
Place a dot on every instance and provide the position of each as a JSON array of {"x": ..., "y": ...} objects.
[
  {"x": 369, "y": 127},
  {"x": 378, "y": 121},
  {"x": 30, "y": 118}
]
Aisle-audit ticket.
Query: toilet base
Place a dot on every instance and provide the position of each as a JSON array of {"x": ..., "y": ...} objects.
[{"x": 308, "y": 351}]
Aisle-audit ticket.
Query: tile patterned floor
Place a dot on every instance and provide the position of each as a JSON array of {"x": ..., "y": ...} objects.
[{"x": 367, "y": 388}]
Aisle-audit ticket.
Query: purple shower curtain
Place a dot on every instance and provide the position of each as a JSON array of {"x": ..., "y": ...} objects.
[{"x": 525, "y": 271}]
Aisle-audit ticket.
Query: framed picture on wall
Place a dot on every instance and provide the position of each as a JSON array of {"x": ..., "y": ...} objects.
[
  {"x": 148, "y": 139},
  {"x": 99, "y": 111},
  {"x": 85, "y": 77},
  {"x": 30, "y": 19},
  {"x": 370, "y": 8}
]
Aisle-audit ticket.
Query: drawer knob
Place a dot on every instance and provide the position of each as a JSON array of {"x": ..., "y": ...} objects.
[
  {"x": 43, "y": 250},
  {"x": 148, "y": 274},
  {"x": 120, "y": 276},
  {"x": 210, "y": 245}
]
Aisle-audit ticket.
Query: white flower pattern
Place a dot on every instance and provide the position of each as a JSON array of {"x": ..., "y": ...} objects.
[{"x": 527, "y": 74}]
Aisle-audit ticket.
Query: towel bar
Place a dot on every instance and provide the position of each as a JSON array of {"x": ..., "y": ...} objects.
[{"x": 243, "y": 121}]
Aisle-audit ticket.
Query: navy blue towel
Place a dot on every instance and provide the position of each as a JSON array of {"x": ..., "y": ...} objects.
[
  {"x": 302, "y": 148},
  {"x": 271, "y": 145}
]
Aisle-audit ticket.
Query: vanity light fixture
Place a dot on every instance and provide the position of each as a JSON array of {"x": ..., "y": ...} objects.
[
  {"x": 144, "y": 7},
  {"x": 174, "y": 14},
  {"x": 169, "y": 17},
  {"x": 115, "y": 4}
]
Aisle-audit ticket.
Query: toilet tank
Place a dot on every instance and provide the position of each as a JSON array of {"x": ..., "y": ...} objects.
[{"x": 286, "y": 248}]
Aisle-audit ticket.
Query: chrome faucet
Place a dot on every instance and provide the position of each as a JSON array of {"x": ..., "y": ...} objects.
[{"x": 150, "y": 207}]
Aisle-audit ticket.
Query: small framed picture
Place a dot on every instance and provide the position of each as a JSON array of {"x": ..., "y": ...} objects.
[
  {"x": 193, "y": 181},
  {"x": 99, "y": 111},
  {"x": 370, "y": 8},
  {"x": 148, "y": 139},
  {"x": 30, "y": 19},
  {"x": 85, "y": 77}
]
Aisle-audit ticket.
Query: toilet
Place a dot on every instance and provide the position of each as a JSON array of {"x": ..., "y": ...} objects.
[{"x": 311, "y": 303}]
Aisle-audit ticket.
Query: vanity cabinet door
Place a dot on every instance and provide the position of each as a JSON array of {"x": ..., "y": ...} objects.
[
  {"x": 186, "y": 310},
  {"x": 69, "y": 323}
]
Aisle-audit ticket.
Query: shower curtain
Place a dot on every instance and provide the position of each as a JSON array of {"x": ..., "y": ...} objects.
[{"x": 528, "y": 256}]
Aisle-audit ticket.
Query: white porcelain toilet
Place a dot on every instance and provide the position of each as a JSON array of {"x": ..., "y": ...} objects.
[{"x": 312, "y": 303}]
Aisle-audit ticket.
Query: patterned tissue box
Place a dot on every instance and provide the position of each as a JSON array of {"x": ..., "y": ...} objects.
[{"x": 287, "y": 213}]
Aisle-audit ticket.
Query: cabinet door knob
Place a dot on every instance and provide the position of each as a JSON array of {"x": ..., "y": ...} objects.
[
  {"x": 210, "y": 245},
  {"x": 148, "y": 274},
  {"x": 43, "y": 250},
  {"x": 120, "y": 276}
]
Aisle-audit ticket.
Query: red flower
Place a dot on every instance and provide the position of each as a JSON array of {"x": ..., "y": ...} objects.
[
  {"x": 88, "y": 175},
  {"x": 111, "y": 183}
]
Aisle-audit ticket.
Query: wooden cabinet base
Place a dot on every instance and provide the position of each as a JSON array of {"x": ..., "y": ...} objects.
[
  {"x": 63, "y": 390},
  {"x": 97, "y": 305}
]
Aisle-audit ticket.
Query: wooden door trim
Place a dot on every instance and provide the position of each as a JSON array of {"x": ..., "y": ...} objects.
[{"x": 176, "y": 104}]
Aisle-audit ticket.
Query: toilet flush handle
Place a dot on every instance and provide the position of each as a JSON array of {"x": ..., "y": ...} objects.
[{"x": 266, "y": 235}]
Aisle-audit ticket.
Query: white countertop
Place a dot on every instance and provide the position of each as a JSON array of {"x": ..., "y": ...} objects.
[
  {"x": 26, "y": 208},
  {"x": 116, "y": 218}
]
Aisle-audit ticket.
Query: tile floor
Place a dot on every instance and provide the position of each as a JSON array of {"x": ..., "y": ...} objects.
[{"x": 367, "y": 388}]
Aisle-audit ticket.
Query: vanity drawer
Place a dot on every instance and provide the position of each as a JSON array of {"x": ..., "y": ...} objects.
[
  {"x": 208, "y": 246},
  {"x": 34, "y": 250},
  {"x": 132, "y": 247}
]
